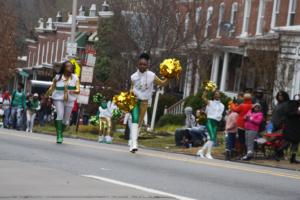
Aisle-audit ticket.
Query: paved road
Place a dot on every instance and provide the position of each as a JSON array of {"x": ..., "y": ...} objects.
[{"x": 32, "y": 166}]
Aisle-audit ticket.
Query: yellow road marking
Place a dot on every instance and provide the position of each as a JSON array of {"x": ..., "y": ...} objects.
[{"x": 166, "y": 157}]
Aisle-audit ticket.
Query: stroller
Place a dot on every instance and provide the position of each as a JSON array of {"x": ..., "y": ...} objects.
[
  {"x": 268, "y": 144},
  {"x": 195, "y": 136}
]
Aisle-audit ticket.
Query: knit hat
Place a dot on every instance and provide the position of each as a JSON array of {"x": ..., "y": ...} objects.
[
  {"x": 257, "y": 104},
  {"x": 247, "y": 96},
  {"x": 36, "y": 95}
]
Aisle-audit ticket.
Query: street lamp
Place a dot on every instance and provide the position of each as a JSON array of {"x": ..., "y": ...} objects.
[{"x": 105, "y": 11}]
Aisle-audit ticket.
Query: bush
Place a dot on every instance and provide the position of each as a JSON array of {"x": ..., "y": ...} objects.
[{"x": 171, "y": 120}]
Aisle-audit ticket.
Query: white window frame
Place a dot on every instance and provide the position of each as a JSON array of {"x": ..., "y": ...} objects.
[
  {"x": 292, "y": 11},
  {"x": 221, "y": 17},
  {"x": 260, "y": 17},
  {"x": 186, "y": 24},
  {"x": 198, "y": 16},
  {"x": 275, "y": 13},
  {"x": 246, "y": 19},
  {"x": 209, "y": 15},
  {"x": 234, "y": 10}
]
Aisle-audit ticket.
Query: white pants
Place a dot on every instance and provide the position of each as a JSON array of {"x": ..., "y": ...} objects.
[
  {"x": 63, "y": 110},
  {"x": 30, "y": 119}
]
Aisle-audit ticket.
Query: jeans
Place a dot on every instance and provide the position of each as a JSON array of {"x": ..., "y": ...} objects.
[
  {"x": 250, "y": 137},
  {"x": 230, "y": 141},
  {"x": 6, "y": 117},
  {"x": 41, "y": 116},
  {"x": 16, "y": 117},
  {"x": 30, "y": 120}
]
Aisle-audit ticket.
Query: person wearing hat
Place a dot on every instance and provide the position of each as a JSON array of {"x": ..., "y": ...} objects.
[
  {"x": 18, "y": 105},
  {"x": 259, "y": 98},
  {"x": 253, "y": 120},
  {"x": 6, "y": 108},
  {"x": 33, "y": 106}
]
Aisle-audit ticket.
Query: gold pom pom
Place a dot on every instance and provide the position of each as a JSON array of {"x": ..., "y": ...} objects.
[
  {"x": 125, "y": 101},
  {"x": 210, "y": 86},
  {"x": 170, "y": 68}
]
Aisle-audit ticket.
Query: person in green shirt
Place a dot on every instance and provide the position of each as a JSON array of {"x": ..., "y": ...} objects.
[
  {"x": 33, "y": 106},
  {"x": 18, "y": 105}
]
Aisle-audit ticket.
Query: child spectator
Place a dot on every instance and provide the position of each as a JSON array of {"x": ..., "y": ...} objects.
[
  {"x": 231, "y": 130},
  {"x": 253, "y": 120}
]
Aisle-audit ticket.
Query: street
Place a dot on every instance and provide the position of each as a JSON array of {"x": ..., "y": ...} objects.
[{"x": 32, "y": 166}]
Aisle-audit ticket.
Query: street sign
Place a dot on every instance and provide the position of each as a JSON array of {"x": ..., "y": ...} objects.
[
  {"x": 71, "y": 49},
  {"x": 84, "y": 96},
  {"x": 87, "y": 74},
  {"x": 91, "y": 59}
]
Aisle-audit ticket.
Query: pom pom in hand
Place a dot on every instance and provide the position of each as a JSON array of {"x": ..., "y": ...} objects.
[
  {"x": 125, "y": 101},
  {"x": 210, "y": 86},
  {"x": 170, "y": 68}
]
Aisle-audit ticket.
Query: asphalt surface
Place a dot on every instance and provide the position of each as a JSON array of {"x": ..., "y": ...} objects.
[{"x": 32, "y": 166}]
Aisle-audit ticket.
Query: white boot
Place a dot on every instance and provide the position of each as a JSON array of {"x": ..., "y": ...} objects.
[
  {"x": 134, "y": 136},
  {"x": 200, "y": 153},
  {"x": 108, "y": 139},
  {"x": 209, "y": 148},
  {"x": 129, "y": 142}
]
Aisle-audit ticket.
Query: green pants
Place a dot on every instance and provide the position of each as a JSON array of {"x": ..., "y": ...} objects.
[
  {"x": 212, "y": 126},
  {"x": 135, "y": 113}
]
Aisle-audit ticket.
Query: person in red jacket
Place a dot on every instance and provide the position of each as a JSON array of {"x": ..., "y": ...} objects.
[
  {"x": 242, "y": 110},
  {"x": 74, "y": 114}
]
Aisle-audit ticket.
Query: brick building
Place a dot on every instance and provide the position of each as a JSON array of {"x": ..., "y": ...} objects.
[{"x": 232, "y": 30}]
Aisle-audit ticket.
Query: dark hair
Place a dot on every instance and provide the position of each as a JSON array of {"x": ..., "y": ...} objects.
[
  {"x": 21, "y": 85},
  {"x": 284, "y": 94},
  {"x": 63, "y": 68},
  {"x": 145, "y": 56}
]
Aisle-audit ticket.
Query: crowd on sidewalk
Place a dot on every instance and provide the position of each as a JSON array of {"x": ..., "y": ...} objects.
[
  {"x": 248, "y": 128},
  {"x": 20, "y": 111}
]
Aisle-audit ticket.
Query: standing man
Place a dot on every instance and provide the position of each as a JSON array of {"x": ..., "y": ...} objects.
[
  {"x": 18, "y": 105},
  {"x": 142, "y": 84}
]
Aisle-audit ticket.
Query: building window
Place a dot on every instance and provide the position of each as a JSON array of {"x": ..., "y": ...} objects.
[
  {"x": 260, "y": 17},
  {"x": 292, "y": 13},
  {"x": 198, "y": 16},
  {"x": 247, "y": 12},
  {"x": 234, "y": 10},
  {"x": 208, "y": 21},
  {"x": 186, "y": 24},
  {"x": 275, "y": 14},
  {"x": 221, "y": 18}
]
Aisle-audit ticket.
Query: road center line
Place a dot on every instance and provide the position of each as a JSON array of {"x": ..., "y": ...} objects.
[
  {"x": 137, "y": 187},
  {"x": 167, "y": 157}
]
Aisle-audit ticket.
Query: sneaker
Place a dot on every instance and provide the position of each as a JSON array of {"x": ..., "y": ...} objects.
[
  {"x": 208, "y": 156},
  {"x": 247, "y": 157},
  {"x": 200, "y": 154}
]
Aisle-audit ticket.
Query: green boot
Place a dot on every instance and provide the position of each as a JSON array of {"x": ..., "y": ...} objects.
[{"x": 59, "y": 134}]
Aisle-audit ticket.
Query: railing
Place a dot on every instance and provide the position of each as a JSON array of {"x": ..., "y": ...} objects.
[{"x": 175, "y": 109}]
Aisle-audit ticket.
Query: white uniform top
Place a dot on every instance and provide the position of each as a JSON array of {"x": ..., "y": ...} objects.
[
  {"x": 143, "y": 84},
  {"x": 214, "y": 110},
  {"x": 70, "y": 85},
  {"x": 107, "y": 112}
]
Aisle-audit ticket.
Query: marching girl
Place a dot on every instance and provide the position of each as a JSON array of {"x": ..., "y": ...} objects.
[
  {"x": 64, "y": 90},
  {"x": 142, "y": 83}
]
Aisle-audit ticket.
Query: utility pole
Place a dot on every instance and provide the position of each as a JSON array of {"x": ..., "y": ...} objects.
[
  {"x": 159, "y": 91},
  {"x": 74, "y": 13}
]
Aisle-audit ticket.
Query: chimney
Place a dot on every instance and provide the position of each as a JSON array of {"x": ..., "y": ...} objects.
[
  {"x": 41, "y": 23},
  {"x": 93, "y": 10},
  {"x": 49, "y": 24},
  {"x": 58, "y": 17},
  {"x": 81, "y": 11}
]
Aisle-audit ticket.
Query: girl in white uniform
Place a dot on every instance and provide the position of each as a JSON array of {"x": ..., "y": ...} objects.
[{"x": 64, "y": 90}]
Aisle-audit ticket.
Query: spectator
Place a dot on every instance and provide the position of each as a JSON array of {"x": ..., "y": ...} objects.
[
  {"x": 214, "y": 112},
  {"x": 240, "y": 98},
  {"x": 74, "y": 114},
  {"x": 242, "y": 110},
  {"x": 259, "y": 98},
  {"x": 231, "y": 130},
  {"x": 18, "y": 105},
  {"x": 42, "y": 111},
  {"x": 6, "y": 108},
  {"x": 277, "y": 118},
  {"x": 253, "y": 120},
  {"x": 190, "y": 120},
  {"x": 290, "y": 112},
  {"x": 33, "y": 107}
]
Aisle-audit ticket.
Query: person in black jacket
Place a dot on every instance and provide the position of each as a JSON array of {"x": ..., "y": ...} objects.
[{"x": 290, "y": 112}]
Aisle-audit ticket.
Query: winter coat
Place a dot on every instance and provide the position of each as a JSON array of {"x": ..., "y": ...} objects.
[
  {"x": 231, "y": 122},
  {"x": 253, "y": 120},
  {"x": 291, "y": 122},
  {"x": 242, "y": 110}
]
